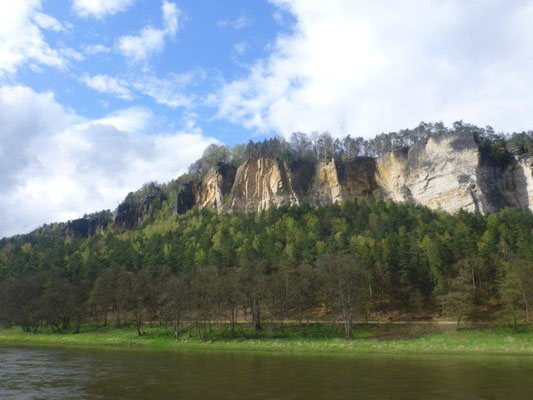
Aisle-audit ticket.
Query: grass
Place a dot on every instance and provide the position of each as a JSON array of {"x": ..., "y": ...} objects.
[{"x": 319, "y": 338}]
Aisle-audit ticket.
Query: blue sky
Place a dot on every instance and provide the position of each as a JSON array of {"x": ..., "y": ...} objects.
[
  {"x": 214, "y": 42},
  {"x": 98, "y": 97}
]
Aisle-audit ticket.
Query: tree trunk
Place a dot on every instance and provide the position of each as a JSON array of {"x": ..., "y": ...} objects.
[
  {"x": 78, "y": 325},
  {"x": 233, "y": 321},
  {"x": 526, "y": 303},
  {"x": 473, "y": 283},
  {"x": 138, "y": 323},
  {"x": 347, "y": 323},
  {"x": 256, "y": 316}
]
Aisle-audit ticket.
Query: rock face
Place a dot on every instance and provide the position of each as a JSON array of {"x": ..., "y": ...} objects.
[
  {"x": 523, "y": 177},
  {"x": 451, "y": 173},
  {"x": 210, "y": 192},
  {"x": 77, "y": 229},
  {"x": 335, "y": 181},
  {"x": 214, "y": 187},
  {"x": 260, "y": 184},
  {"x": 88, "y": 226},
  {"x": 438, "y": 173},
  {"x": 138, "y": 206},
  {"x": 448, "y": 172},
  {"x": 184, "y": 199},
  {"x": 391, "y": 175}
]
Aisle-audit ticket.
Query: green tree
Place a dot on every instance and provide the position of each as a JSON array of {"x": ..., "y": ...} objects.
[{"x": 458, "y": 300}]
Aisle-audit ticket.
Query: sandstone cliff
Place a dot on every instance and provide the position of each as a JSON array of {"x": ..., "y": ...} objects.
[
  {"x": 260, "y": 184},
  {"x": 89, "y": 225},
  {"x": 138, "y": 206},
  {"x": 335, "y": 181},
  {"x": 449, "y": 172},
  {"x": 210, "y": 191}
]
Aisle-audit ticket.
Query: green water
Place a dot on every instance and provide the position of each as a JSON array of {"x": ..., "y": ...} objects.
[{"x": 30, "y": 373}]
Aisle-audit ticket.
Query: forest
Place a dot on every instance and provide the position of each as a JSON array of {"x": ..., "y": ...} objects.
[{"x": 339, "y": 264}]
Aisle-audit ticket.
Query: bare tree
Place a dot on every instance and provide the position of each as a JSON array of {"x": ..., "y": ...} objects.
[{"x": 346, "y": 282}]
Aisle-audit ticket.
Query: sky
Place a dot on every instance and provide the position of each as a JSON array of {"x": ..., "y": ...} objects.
[{"x": 98, "y": 97}]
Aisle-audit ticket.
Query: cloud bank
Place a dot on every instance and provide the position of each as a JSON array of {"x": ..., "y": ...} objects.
[
  {"x": 362, "y": 67},
  {"x": 22, "y": 26},
  {"x": 56, "y": 165}
]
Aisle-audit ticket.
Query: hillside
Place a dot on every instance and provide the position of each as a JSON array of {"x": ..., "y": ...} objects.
[
  {"x": 463, "y": 168},
  {"x": 269, "y": 233}
]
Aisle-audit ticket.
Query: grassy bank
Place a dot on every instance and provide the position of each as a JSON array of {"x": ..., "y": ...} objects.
[{"x": 378, "y": 338}]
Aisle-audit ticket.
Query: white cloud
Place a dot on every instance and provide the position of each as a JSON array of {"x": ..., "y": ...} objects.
[
  {"x": 99, "y": 8},
  {"x": 45, "y": 21},
  {"x": 140, "y": 47},
  {"x": 107, "y": 84},
  {"x": 134, "y": 119},
  {"x": 172, "y": 91},
  {"x": 242, "y": 21},
  {"x": 361, "y": 67},
  {"x": 170, "y": 18},
  {"x": 94, "y": 49},
  {"x": 58, "y": 165},
  {"x": 72, "y": 54},
  {"x": 21, "y": 37},
  {"x": 151, "y": 40}
]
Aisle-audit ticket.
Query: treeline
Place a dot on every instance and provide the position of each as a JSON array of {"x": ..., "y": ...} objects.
[
  {"x": 337, "y": 263},
  {"x": 156, "y": 201},
  {"x": 317, "y": 146}
]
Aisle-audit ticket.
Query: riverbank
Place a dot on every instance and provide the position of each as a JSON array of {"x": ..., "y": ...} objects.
[{"x": 318, "y": 338}]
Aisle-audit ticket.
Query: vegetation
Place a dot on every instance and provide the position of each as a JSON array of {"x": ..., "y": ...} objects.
[
  {"x": 375, "y": 338},
  {"x": 317, "y": 146},
  {"x": 336, "y": 264}
]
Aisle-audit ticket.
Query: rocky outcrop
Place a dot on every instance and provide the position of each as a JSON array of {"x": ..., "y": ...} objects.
[
  {"x": 184, "y": 199},
  {"x": 443, "y": 173},
  {"x": 335, "y": 181},
  {"x": 88, "y": 226},
  {"x": 447, "y": 172},
  {"x": 262, "y": 183},
  {"x": 523, "y": 178},
  {"x": 326, "y": 187},
  {"x": 77, "y": 229},
  {"x": 215, "y": 185},
  {"x": 138, "y": 206},
  {"x": 210, "y": 192},
  {"x": 451, "y": 173},
  {"x": 357, "y": 177},
  {"x": 391, "y": 175},
  {"x": 99, "y": 222}
]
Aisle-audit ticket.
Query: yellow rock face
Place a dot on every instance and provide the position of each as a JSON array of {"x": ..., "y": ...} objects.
[
  {"x": 326, "y": 188},
  {"x": 335, "y": 181},
  {"x": 209, "y": 193},
  {"x": 260, "y": 184},
  {"x": 445, "y": 172},
  {"x": 391, "y": 174},
  {"x": 439, "y": 174}
]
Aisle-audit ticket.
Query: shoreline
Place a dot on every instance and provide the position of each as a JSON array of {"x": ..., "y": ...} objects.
[{"x": 496, "y": 340}]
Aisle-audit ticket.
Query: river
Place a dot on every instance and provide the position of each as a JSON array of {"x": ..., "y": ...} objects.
[{"x": 50, "y": 373}]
